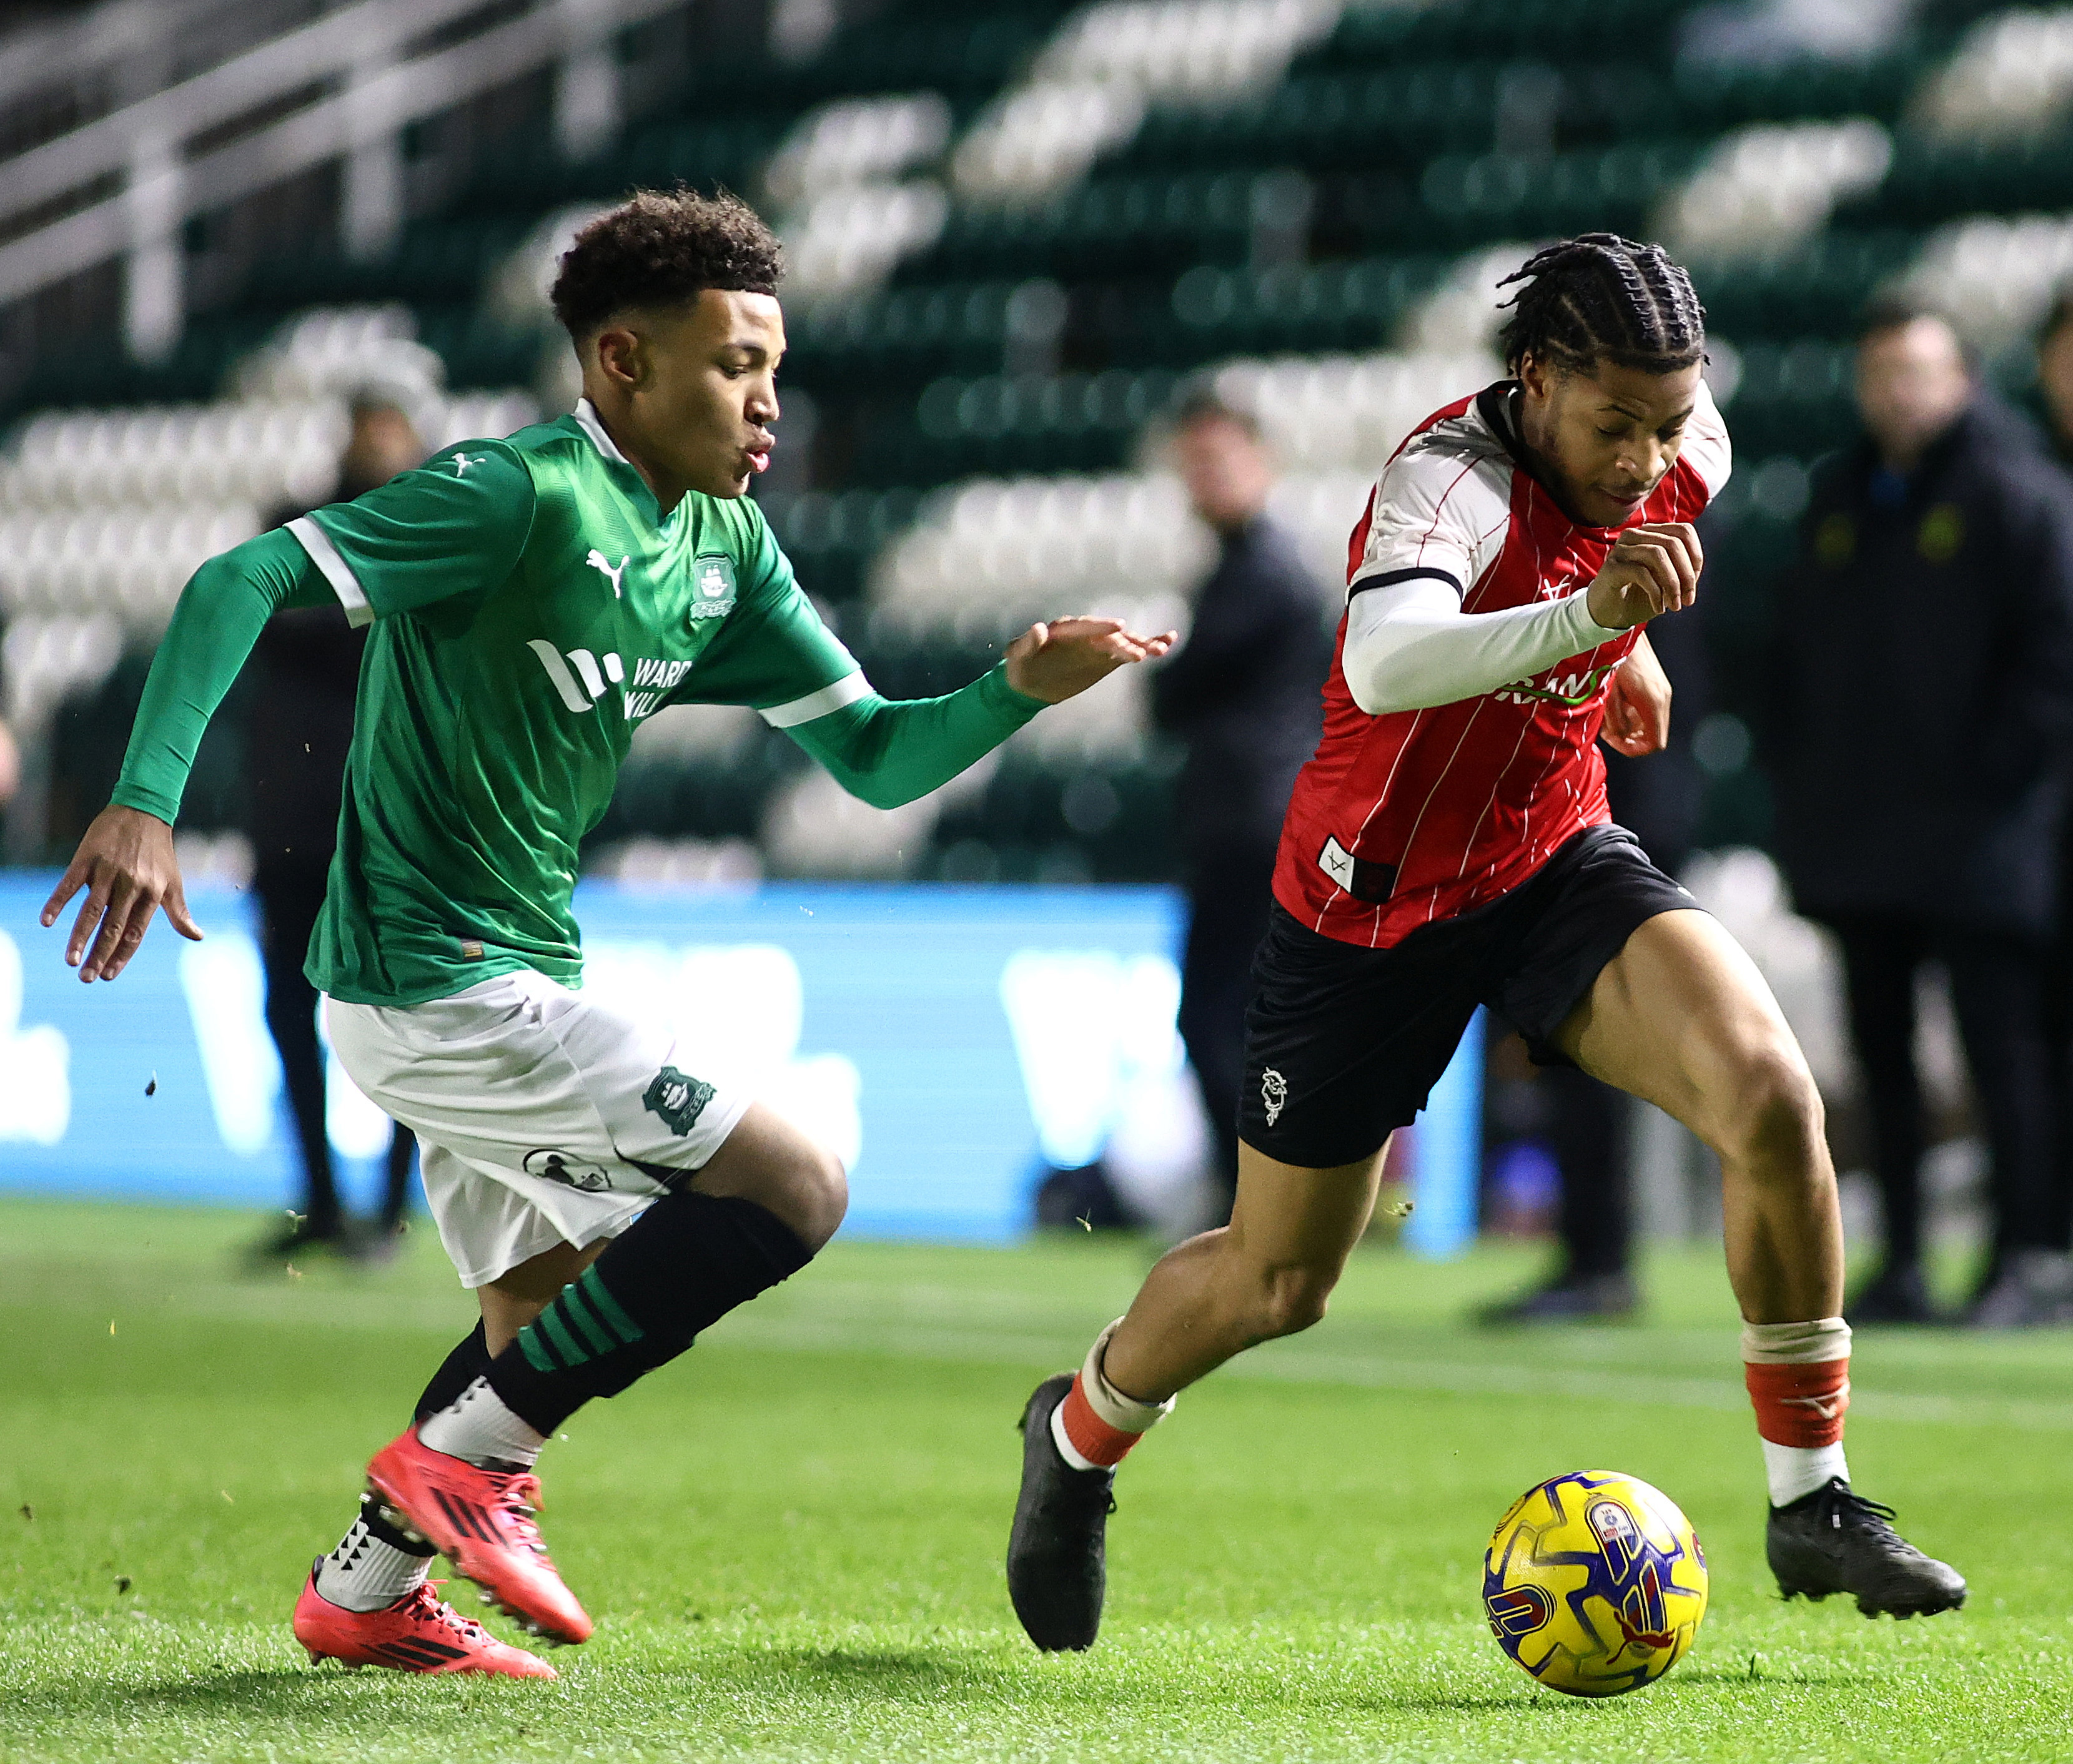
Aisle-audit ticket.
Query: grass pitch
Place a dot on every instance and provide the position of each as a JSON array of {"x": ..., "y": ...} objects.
[{"x": 792, "y": 1538}]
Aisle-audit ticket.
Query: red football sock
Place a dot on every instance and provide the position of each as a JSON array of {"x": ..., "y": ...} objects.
[
  {"x": 1800, "y": 1405},
  {"x": 1091, "y": 1437}
]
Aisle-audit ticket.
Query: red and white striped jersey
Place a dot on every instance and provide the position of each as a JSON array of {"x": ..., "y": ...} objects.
[{"x": 1416, "y": 815}]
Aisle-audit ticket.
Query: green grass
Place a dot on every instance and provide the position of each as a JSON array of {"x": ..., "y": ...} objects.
[{"x": 792, "y": 1539}]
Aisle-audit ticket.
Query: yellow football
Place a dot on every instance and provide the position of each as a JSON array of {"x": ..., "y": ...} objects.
[{"x": 1594, "y": 1583}]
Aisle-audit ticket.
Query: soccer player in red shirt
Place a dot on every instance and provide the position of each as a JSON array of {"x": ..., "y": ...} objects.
[{"x": 1449, "y": 846}]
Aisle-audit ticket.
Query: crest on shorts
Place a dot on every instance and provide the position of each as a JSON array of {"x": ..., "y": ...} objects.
[
  {"x": 560, "y": 1166},
  {"x": 1273, "y": 1093},
  {"x": 678, "y": 1098}
]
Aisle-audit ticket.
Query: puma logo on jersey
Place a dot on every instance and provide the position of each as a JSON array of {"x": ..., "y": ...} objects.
[
  {"x": 461, "y": 462},
  {"x": 597, "y": 560}
]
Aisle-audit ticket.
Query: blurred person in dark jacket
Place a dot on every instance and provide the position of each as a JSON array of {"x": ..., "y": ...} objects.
[
  {"x": 2055, "y": 366},
  {"x": 1588, "y": 1125},
  {"x": 1925, "y": 707},
  {"x": 306, "y": 674},
  {"x": 1245, "y": 694}
]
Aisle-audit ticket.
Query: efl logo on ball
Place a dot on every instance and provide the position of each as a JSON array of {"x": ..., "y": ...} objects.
[{"x": 1594, "y": 1583}]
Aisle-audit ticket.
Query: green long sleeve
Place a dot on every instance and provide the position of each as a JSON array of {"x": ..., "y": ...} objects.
[
  {"x": 221, "y": 612},
  {"x": 888, "y": 751}
]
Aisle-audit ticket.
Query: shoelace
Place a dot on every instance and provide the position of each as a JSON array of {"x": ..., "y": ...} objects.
[
  {"x": 426, "y": 1606},
  {"x": 1872, "y": 1516},
  {"x": 519, "y": 1499}
]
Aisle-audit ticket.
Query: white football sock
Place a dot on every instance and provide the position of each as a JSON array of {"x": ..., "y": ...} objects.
[
  {"x": 1793, "y": 1471},
  {"x": 366, "y": 1573},
  {"x": 479, "y": 1430}
]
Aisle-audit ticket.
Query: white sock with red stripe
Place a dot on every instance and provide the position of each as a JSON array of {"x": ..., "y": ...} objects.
[
  {"x": 480, "y": 1429},
  {"x": 1096, "y": 1424},
  {"x": 1799, "y": 1379}
]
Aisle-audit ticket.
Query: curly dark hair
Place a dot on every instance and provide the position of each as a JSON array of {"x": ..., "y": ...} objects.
[
  {"x": 1599, "y": 297},
  {"x": 660, "y": 248}
]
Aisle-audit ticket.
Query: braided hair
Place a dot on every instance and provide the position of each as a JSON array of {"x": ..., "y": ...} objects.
[{"x": 1599, "y": 297}]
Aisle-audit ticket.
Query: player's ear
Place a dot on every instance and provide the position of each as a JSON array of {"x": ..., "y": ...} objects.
[{"x": 622, "y": 356}]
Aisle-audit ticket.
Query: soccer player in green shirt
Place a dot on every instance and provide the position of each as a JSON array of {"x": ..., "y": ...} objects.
[{"x": 532, "y": 599}]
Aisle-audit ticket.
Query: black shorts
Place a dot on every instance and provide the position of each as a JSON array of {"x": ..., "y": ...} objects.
[{"x": 1343, "y": 1043}]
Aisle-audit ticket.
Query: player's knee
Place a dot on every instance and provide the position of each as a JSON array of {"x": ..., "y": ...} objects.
[
  {"x": 820, "y": 1186},
  {"x": 1775, "y": 1119},
  {"x": 1290, "y": 1300}
]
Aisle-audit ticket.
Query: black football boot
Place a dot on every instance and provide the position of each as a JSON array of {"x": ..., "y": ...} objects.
[
  {"x": 1056, "y": 1552},
  {"x": 1834, "y": 1541}
]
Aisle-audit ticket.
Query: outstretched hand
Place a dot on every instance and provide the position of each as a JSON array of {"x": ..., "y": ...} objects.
[
  {"x": 126, "y": 866},
  {"x": 1055, "y": 662}
]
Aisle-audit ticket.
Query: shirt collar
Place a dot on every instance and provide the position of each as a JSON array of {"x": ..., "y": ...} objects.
[{"x": 586, "y": 415}]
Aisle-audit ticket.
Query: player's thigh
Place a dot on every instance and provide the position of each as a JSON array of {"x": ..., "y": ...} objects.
[{"x": 1681, "y": 1018}]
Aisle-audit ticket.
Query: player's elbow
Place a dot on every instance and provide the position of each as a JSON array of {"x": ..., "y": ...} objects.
[
  {"x": 1379, "y": 686},
  {"x": 877, "y": 792}
]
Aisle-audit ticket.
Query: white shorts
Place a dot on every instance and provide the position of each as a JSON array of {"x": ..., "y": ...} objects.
[{"x": 535, "y": 1111}]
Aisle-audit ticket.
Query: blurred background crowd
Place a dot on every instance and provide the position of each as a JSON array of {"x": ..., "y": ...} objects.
[{"x": 1120, "y": 307}]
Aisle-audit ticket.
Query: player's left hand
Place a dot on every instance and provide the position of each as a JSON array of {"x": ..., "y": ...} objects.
[
  {"x": 1054, "y": 662},
  {"x": 1638, "y": 705}
]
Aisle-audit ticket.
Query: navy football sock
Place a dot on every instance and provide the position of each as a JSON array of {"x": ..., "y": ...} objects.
[
  {"x": 679, "y": 1267},
  {"x": 461, "y": 1368}
]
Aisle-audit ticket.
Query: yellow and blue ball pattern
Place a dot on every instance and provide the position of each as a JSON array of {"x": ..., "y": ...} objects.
[{"x": 1594, "y": 1583}]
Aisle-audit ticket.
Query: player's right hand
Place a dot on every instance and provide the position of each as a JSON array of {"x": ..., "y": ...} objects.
[
  {"x": 126, "y": 866},
  {"x": 1654, "y": 568}
]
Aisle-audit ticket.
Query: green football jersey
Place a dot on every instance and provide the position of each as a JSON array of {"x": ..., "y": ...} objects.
[{"x": 531, "y": 605}]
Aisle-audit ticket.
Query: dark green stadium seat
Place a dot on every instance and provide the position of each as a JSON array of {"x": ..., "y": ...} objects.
[
  {"x": 961, "y": 327},
  {"x": 1117, "y": 815},
  {"x": 1816, "y": 290},
  {"x": 1931, "y": 182},
  {"x": 831, "y": 538},
  {"x": 1550, "y": 30},
  {"x": 1793, "y": 398},
  {"x": 1148, "y": 224},
  {"x": 1335, "y": 307}
]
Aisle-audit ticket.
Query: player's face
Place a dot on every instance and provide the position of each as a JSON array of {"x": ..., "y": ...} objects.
[
  {"x": 1912, "y": 384},
  {"x": 696, "y": 390},
  {"x": 1227, "y": 473},
  {"x": 1605, "y": 437}
]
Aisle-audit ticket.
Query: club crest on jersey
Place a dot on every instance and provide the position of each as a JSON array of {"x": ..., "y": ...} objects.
[
  {"x": 679, "y": 1099},
  {"x": 712, "y": 585}
]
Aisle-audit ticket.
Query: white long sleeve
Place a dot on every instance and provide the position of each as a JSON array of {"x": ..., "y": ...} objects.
[{"x": 1409, "y": 645}]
